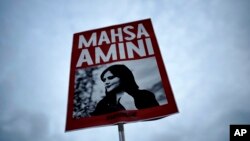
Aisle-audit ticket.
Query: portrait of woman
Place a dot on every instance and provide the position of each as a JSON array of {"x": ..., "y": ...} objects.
[{"x": 122, "y": 92}]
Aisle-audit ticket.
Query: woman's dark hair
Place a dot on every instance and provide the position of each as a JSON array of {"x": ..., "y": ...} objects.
[{"x": 125, "y": 74}]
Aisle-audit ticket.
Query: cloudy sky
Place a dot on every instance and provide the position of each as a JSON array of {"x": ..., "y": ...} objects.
[{"x": 206, "y": 49}]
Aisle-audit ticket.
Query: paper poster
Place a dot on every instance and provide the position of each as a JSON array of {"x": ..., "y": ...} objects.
[{"x": 117, "y": 75}]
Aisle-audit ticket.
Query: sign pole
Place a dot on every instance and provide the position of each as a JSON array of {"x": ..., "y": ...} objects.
[{"x": 121, "y": 132}]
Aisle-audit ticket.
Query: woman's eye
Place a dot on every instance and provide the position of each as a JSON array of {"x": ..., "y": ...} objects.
[{"x": 110, "y": 77}]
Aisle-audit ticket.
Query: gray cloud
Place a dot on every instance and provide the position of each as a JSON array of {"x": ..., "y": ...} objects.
[{"x": 23, "y": 125}]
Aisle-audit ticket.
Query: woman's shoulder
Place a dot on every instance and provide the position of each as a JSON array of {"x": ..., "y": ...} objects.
[
  {"x": 145, "y": 99},
  {"x": 145, "y": 93},
  {"x": 104, "y": 100}
]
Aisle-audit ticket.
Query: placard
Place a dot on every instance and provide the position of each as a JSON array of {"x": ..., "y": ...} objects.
[{"x": 117, "y": 75}]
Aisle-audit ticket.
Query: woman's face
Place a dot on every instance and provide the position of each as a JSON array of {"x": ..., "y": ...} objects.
[{"x": 111, "y": 82}]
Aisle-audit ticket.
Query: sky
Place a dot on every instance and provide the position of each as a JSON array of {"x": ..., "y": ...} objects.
[{"x": 205, "y": 47}]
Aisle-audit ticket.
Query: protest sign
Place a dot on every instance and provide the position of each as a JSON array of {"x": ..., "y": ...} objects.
[{"x": 117, "y": 75}]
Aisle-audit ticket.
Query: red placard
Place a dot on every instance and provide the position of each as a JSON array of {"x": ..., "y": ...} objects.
[{"x": 117, "y": 75}]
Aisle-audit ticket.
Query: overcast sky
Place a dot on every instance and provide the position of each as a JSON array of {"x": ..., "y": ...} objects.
[{"x": 206, "y": 50}]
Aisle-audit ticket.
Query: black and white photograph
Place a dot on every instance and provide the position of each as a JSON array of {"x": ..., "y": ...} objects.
[{"x": 127, "y": 85}]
